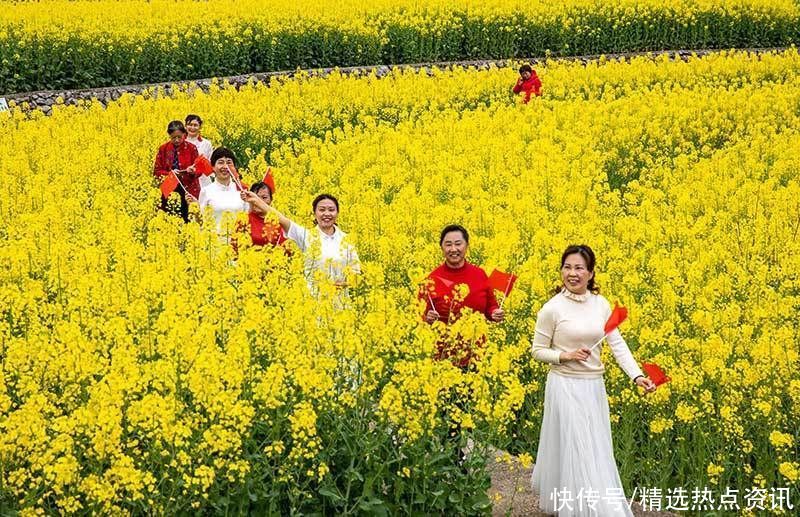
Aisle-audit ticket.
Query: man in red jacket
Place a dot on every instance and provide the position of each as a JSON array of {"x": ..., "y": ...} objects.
[
  {"x": 528, "y": 82},
  {"x": 179, "y": 156}
]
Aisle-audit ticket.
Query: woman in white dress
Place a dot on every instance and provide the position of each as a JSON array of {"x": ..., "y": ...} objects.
[
  {"x": 575, "y": 472},
  {"x": 193, "y": 125},
  {"x": 326, "y": 249}
]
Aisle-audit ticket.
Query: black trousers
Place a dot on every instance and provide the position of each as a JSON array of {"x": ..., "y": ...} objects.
[{"x": 184, "y": 210}]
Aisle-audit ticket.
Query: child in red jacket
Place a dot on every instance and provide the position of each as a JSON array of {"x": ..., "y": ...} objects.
[{"x": 528, "y": 82}]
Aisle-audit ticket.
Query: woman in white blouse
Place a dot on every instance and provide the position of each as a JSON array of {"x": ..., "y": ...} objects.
[
  {"x": 193, "y": 125},
  {"x": 223, "y": 197},
  {"x": 325, "y": 247},
  {"x": 575, "y": 472}
]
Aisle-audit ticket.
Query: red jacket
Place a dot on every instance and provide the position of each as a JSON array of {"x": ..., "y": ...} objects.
[
  {"x": 187, "y": 154},
  {"x": 532, "y": 86},
  {"x": 264, "y": 233},
  {"x": 480, "y": 299}
]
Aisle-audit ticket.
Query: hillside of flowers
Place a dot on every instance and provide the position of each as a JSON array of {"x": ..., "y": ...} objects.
[
  {"x": 147, "y": 368},
  {"x": 68, "y": 44}
]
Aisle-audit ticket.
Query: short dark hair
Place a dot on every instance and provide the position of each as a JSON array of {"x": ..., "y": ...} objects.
[
  {"x": 588, "y": 255},
  {"x": 191, "y": 117},
  {"x": 176, "y": 125},
  {"x": 323, "y": 197},
  {"x": 222, "y": 152},
  {"x": 525, "y": 68},
  {"x": 454, "y": 228},
  {"x": 258, "y": 185}
]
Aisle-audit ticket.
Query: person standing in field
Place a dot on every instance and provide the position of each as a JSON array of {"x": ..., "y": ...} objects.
[
  {"x": 440, "y": 301},
  {"x": 178, "y": 156},
  {"x": 576, "y": 454},
  {"x": 222, "y": 199},
  {"x": 193, "y": 125},
  {"x": 528, "y": 83},
  {"x": 325, "y": 246}
]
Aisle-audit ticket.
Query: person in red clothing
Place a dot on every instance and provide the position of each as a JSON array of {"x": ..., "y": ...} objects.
[
  {"x": 444, "y": 306},
  {"x": 179, "y": 156},
  {"x": 528, "y": 83},
  {"x": 263, "y": 232}
]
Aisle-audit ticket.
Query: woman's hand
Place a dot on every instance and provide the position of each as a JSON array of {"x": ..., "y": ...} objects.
[
  {"x": 645, "y": 382},
  {"x": 498, "y": 315},
  {"x": 578, "y": 355},
  {"x": 190, "y": 198},
  {"x": 191, "y": 169},
  {"x": 254, "y": 200},
  {"x": 431, "y": 316}
]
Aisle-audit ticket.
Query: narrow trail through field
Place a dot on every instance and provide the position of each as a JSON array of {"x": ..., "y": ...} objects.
[{"x": 512, "y": 494}]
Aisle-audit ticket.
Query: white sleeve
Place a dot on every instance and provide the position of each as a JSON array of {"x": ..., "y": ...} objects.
[
  {"x": 623, "y": 354},
  {"x": 543, "y": 337},
  {"x": 299, "y": 235},
  {"x": 203, "y": 201}
]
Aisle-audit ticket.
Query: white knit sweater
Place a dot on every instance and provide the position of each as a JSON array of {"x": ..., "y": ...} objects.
[{"x": 568, "y": 322}]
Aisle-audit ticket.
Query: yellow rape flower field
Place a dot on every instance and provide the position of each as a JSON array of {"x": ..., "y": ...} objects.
[
  {"x": 144, "y": 368},
  {"x": 57, "y": 44}
]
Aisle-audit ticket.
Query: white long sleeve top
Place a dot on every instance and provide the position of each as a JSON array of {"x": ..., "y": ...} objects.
[{"x": 568, "y": 322}]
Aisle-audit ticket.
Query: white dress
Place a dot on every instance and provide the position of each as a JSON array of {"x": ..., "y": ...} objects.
[{"x": 575, "y": 473}]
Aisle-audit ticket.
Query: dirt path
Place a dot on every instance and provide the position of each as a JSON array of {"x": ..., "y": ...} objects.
[{"x": 512, "y": 494}]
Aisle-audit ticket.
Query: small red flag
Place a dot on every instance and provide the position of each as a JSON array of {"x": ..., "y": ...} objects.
[
  {"x": 169, "y": 184},
  {"x": 500, "y": 281},
  {"x": 439, "y": 286},
  {"x": 203, "y": 166},
  {"x": 655, "y": 373},
  {"x": 236, "y": 179},
  {"x": 618, "y": 315},
  {"x": 269, "y": 180}
]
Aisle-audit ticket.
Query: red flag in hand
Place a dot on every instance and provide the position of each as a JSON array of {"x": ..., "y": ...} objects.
[
  {"x": 655, "y": 373},
  {"x": 203, "y": 166},
  {"x": 618, "y": 315},
  {"x": 236, "y": 179},
  {"x": 439, "y": 287},
  {"x": 500, "y": 281},
  {"x": 269, "y": 180},
  {"x": 169, "y": 184}
]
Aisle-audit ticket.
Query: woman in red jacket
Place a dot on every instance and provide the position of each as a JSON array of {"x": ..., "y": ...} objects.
[
  {"x": 178, "y": 155},
  {"x": 528, "y": 83},
  {"x": 442, "y": 305},
  {"x": 262, "y": 231}
]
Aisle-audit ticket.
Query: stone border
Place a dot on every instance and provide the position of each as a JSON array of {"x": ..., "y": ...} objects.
[{"x": 45, "y": 99}]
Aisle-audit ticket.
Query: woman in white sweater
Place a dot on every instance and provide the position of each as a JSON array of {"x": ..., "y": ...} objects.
[{"x": 575, "y": 472}]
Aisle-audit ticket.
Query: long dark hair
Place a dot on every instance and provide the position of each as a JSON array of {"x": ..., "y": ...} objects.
[{"x": 588, "y": 255}]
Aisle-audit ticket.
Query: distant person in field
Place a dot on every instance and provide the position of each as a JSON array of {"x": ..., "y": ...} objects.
[
  {"x": 178, "y": 155},
  {"x": 441, "y": 304},
  {"x": 528, "y": 83},
  {"x": 204, "y": 146},
  {"x": 576, "y": 453}
]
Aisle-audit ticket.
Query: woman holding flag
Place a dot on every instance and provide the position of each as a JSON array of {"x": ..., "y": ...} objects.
[
  {"x": 576, "y": 455},
  {"x": 326, "y": 248},
  {"x": 224, "y": 195},
  {"x": 177, "y": 157},
  {"x": 204, "y": 146},
  {"x": 262, "y": 232},
  {"x": 440, "y": 302}
]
